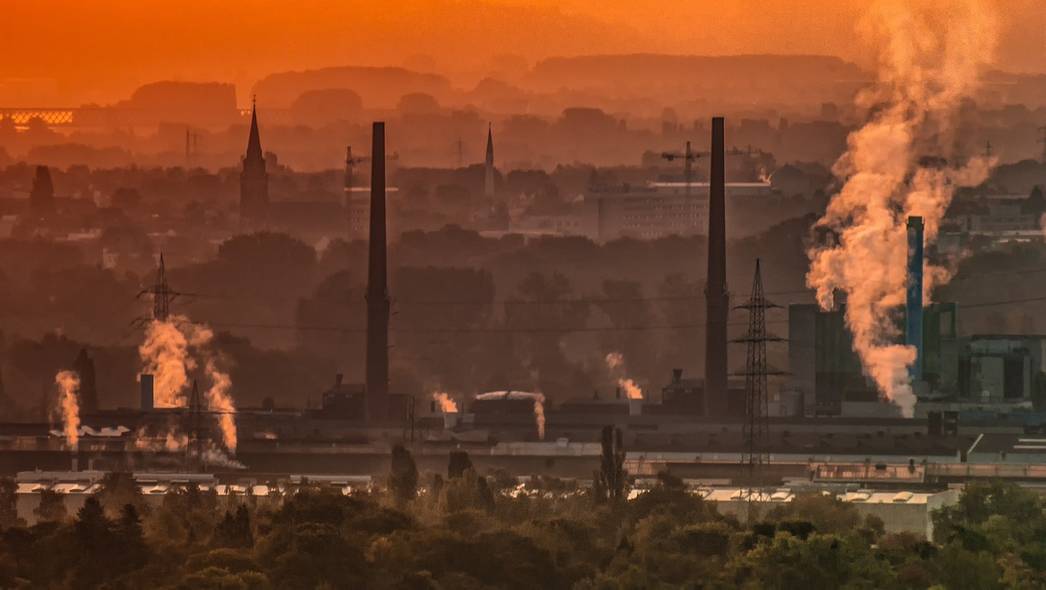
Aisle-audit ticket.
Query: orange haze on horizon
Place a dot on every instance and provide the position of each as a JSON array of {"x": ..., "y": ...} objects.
[{"x": 70, "y": 52}]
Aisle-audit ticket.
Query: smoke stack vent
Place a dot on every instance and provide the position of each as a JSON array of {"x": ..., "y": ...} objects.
[
  {"x": 377, "y": 283},
  {"x": 913, "y": 333},
  {"x": 716, "y": 297},
  {"x": 145, "y": 390}
]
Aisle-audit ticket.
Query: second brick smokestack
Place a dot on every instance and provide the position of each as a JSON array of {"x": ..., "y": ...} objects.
[
  {"x": 377, "y": 284},
  {"x": 716, "y": 296}
]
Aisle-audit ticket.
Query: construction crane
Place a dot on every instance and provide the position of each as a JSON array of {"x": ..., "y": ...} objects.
[
  {"x": 350, "y": 167},
  {"x": 1042, "y": 140},
  {"x": 688, "y": 156}
]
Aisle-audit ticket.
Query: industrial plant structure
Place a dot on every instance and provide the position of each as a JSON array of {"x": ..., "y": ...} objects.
[{"x": 828, "y": 428}]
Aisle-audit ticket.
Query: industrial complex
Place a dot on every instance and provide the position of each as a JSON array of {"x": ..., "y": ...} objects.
[{"x": 727, "y": 434}]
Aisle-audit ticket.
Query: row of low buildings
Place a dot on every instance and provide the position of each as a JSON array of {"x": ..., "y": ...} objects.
[
  {"x": 899, "y": 510},
  {"x": 650, "y": 211}
]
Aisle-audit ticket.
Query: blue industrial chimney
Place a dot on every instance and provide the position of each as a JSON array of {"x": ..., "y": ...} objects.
[{"x": 913, "y": 333}]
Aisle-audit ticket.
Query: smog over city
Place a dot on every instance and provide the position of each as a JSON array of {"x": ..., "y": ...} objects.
[{"x": 523, "y": 294}]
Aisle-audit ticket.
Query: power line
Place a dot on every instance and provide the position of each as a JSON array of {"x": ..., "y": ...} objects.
[
  {"x": 463, "y": 302},
  {"x": 557, "y": 330}
]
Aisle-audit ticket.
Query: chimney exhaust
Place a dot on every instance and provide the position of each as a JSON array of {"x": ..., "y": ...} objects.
[
  {"x": 716, "y": 296},
  {"x": 913, "y": 333},
  {"x": 145, "y": 391},
  {"x": 377, "y": 284}
]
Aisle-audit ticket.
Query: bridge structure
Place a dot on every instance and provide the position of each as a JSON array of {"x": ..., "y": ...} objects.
[{"x": 90, "y": 116}]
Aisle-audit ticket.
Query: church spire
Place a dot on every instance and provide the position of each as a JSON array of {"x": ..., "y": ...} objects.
[
  {"x": 254, "y": 149},
  {"x": 254, "y": 180},
  {"x": 488, "y": 177}
]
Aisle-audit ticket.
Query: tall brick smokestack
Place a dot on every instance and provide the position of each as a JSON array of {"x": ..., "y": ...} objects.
[
  {"x": 716, "y": 297},
  {"x": 377, "y": 284}
]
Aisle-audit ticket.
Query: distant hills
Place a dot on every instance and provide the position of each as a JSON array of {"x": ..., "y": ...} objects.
[{"x": 377, "y": 86}]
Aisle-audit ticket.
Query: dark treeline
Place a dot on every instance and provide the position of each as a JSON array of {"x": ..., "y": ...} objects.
[{"x": 474, "y": 532}]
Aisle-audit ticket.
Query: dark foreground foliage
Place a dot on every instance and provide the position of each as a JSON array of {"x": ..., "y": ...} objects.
[{"x": 471, "y": 534}]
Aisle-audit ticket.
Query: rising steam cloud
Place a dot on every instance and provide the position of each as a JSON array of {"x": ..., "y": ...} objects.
[
  {"x": 68, "y": 383},
  {"x": 616, "y": 365},
  {"x": 927, "y": 67},
  {"x": 174, "y": 348},
  {"x": 447, "y": 405}
]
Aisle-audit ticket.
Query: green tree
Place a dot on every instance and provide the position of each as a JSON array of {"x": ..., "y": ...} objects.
[
  {"x": 51, "y": 508},
  {"x": 458, "y": 463},
  {"x": 119, "y": 489},
  {"x": 610, "y": 482},
  {"x": 128, "y": 535},
  {"x": 403, "y": 476},
  {"x": 235, "y": 530},
  {"x": 9, "y": 502}
]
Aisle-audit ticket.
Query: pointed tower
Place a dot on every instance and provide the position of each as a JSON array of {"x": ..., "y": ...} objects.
[
  {"x": 488, "y": 179},
  {"x": 254, "y": 181},
  {"x": 41, "y": 197},
  {"x": 377, "y": 374}
]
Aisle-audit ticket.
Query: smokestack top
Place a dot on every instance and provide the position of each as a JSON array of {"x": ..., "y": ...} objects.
[
  {"x": 377, "y": 373},
  {"x": 377, "y": 285},
  {"x": 716, "y": 296}
]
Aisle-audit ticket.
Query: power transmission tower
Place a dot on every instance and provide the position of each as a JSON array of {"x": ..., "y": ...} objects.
[
  {"x": 688, "y": 156},
  {"x": 192, "y": 146},
  {"x": 196, "y": 428},
  {"x": 756, "y": 453},
  {"x": 162, "y": 294}
]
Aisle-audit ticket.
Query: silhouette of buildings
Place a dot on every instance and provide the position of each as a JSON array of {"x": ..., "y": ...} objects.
[{"x": 254, "y": 181}]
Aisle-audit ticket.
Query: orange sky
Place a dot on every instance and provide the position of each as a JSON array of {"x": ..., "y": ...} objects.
[{"x": 72, "y": 51}]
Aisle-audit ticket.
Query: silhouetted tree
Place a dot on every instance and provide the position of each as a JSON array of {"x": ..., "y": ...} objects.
[
  {"x": 51, "y": 508},
  {"x": 610, "y": 480},
  {"x": 458, "y": 463},
  {"x": 403, "y": 475},
  {"x": 9, "y": 503}
]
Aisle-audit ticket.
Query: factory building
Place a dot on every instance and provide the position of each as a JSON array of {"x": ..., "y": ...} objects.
[
  {"x": 958, "y": 373},
  {"x": 827, "y": 375}
]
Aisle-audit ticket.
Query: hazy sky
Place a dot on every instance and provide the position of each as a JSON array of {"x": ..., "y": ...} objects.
[{"x": 101, "y": 49}]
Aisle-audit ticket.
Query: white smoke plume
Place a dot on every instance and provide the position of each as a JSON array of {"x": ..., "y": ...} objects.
[
  {"x": 171, "y": 351},
  {"x": 928, "y": 64},
  {"x": 176, "y": 442},
  {"x": 447, "y": 405},
  {"x": 165, "y": 355},
  {"x": 537, "y": 398},
  {"x": 616, "y": 365},
  {"x": 68, "y": 383}
]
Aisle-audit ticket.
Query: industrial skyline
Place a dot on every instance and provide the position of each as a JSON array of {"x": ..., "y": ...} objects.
[{"x": 498, "y": 294}]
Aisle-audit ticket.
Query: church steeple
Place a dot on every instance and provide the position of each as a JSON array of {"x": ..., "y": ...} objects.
[
  {"x": 254, "y": 180},
  {"x": 254, "y": 150},
  {"x": 488, "y": 179}
]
